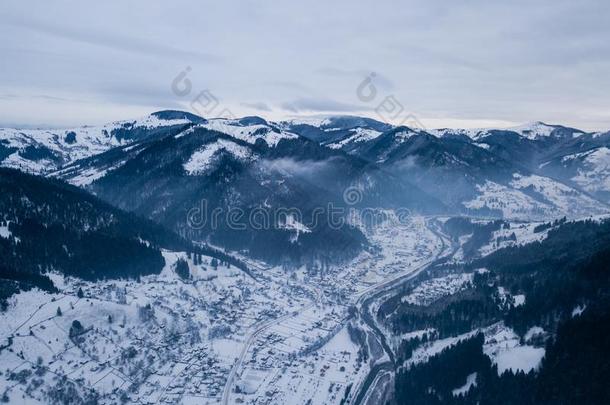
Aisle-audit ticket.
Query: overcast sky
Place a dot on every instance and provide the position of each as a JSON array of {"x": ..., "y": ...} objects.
[{"x": 456, "y": 63}]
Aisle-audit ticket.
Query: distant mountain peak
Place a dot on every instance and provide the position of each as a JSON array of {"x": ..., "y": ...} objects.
[
  {"x": 45, "y": 150},
  {"x": 249, "y": 129},
  {"x": 170, "y": 115},
  {"x": 340, "y": 122},
  {"x": 253, "y": 120},
  {"x": 538, "y": 129},
  {"x": 534, "y": 130}
]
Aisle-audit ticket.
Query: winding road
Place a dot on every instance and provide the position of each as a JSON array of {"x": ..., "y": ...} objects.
[
  {"x": 385, "y": 289},
  {"x": 363, "y": 302}
]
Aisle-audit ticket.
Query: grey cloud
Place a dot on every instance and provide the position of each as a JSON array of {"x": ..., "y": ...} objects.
[
  {"x": 319, "y": 105},
  {"x": 474, "y": 60},
  {"x": 381, "y": 80},
  {"x": 257, "y": 105},
  {"x": 132, "y": 44}
]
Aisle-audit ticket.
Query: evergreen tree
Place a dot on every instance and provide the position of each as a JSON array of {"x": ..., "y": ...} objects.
[{"x": 182, "y": 269}]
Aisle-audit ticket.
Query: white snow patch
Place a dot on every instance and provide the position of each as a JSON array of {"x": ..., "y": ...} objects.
[
  {"x": 532, "y": 332},
  {"x": 567, "y": 199},
  {"x": 249, "y": 133},
  {"x": 533, "y": 130},
  {"x": 471, "y": 381},
  {"x": 359, "y": 135},
  {"x": 424, "y": 352},
  {"x": 202, "y": 159},
  {"x": 416, "y": 334},
  {"x": 292, "y": 224},
  {"x": 556, "y": 199},
  {"x": 88, "y": 141},
  {"x": 313, "y": 121},
  {"x": 436, "y": 288},
  {"x": 594, "y": 176},
  {"x": 578, "y": 310},
  {"x": 510, "y": 202},
  {"x": 505, "y": 297},
  {"x": 503, "y": 348},
  {"x": 519, "y": 299},
  {"x": 523, "y": 232},
  {"x": 4, "y": 232}
]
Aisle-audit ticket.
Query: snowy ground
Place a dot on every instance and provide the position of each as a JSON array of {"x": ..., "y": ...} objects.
[
  {"x": 502, "y": 345},
  {"x": 503, "y": 348},
  {"x": 179, "y": 348},
  {"x": 221, "y": 336},
  {"x": 436, "y": 288},
  {"x": 309, "y": 355},
  {"x": 531, "y": 197},
  {"x": 594, "y": 175},
  {"x": 522, "y": 231},
  {"x": 69, "y": 144}
]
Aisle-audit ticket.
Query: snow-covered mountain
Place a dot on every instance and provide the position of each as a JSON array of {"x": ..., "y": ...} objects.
[
  {"x": 244, "y": 165},
  {"x": 48, "y": 225},
  {"x": 476, "y": 169},
  {"x": 535, "y": 170},
  {"x": 44, "y": 150},
  {"x": 332, "y": 129},
  {"x": 536, "y": 130}
]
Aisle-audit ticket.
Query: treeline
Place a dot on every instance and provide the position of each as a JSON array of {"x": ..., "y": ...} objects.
[
  {"x": 548, "y": 225},
  {"x": 12, "y": 281},
  {"x": 91, "y": 255},
  {"x": 481, "y": 232},
  {"x": 571, "y": 267},
  {"x": 569, "y": 270},
  {"x": 52, "y": 226},
  {"x": 448, "y": 319},
  {"x": 575, "y": 370}
]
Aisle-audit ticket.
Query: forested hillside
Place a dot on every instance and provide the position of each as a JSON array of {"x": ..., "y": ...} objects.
[
  {"x": 47, "y": 225},
  {"x": 564, "y": 282}
]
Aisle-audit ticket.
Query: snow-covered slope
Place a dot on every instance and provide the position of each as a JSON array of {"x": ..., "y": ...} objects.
[
  {"x": 201, "y": 160},
  {"x": 332, "y": 130},
  {"x": 489, "y": 171},
  {"x": 359, "y": 135},
  {"x": 250, "y": 129},
  {"x": 533, "y": 197},
  {"x": 83, "y": 172},
  {"x": 590, "y": 169},
  {"x": 535, "y": 130},
  {"x": 44, "y": 150}
]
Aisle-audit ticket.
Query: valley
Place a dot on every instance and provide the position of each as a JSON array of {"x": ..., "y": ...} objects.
[{"x": 221, "y": 337}]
